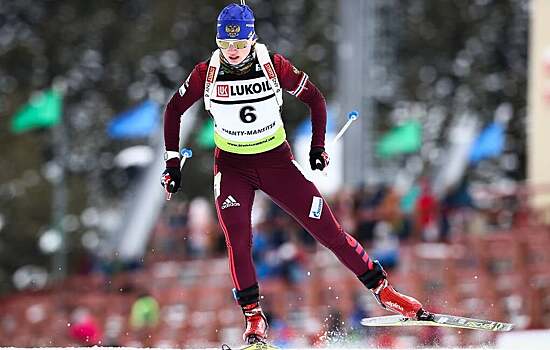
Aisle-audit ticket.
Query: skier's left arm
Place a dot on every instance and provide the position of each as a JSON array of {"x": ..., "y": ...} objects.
[{"x": 297, "y": 83}]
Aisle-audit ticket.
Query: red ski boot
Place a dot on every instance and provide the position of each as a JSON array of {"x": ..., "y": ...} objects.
[
  {"x": 376, "y": 279},
  {"x": 396, "y": 302},
  {"x": 256, "y": 324}
]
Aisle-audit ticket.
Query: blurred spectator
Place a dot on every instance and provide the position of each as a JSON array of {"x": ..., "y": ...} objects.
[
  {"x": 359, "y": 311},
  {"x": 145, "y": 312},
  {"x": 84, "y": 328},
  {"x": 343, "y": 209},
  {"x": 201, "y": 223},
  {"x": 281, "y": 332},
  {"x": 144, "y": 317},
  {"x": 389, "y": 209},
  {"x": 386, "y": 340},
  {"x": 8, "y": 324},
  {"x": 408, "y": 205},
  {"x": 385, "y": 247},
  {"x": 367, "y": 204},
  {"x": 426, "y": 213},
  {"x": 170, "y": 231},
  {"x": 457, "y": 201},
  {"x": 430, "y": 337},
  {"x": 274, "y": 258}
]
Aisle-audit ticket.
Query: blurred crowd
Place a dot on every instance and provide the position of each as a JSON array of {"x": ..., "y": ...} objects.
[{"x": 381, "y": 217}]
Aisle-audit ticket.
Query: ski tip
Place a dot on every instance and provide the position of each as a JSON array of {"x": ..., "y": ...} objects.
[
  {"x": 353, "y": 115},
  {"x": 507, "y": 327}
]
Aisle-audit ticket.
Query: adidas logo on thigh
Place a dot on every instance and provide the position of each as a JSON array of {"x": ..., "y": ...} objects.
[{"x": 230, "y": 202}]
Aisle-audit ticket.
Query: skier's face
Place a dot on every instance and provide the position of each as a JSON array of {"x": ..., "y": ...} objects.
[{"x": 235, "y": 51}]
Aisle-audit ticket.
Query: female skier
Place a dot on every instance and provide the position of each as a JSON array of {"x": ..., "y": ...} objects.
[{"x": 241, "y": 85}]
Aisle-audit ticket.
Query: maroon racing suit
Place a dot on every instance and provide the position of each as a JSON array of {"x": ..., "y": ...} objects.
[{"x": 276, "y": 173}]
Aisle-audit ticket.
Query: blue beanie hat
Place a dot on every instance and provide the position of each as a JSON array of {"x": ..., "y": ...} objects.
[{"x": 236, "y": 22}]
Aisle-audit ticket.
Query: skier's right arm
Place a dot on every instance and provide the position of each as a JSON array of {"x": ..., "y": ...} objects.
[{"x": 188, "y": 93}]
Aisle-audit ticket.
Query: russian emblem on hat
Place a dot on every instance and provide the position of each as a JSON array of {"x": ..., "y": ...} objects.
[
  {"x": 233, "y": 30},
  {"x": 236, "y": 22}
]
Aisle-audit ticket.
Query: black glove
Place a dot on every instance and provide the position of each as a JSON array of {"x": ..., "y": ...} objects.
[
  {"x": 171, "y": 179},
  {"x": 318, "y": 158}
]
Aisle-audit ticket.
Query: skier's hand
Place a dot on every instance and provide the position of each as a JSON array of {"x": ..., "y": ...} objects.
[
  {"x": 318, "y": 158},
  {"x": 171, "y": 179}
]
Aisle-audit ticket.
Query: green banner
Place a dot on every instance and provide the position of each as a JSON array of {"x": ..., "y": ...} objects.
[
  {"x": 42, "y": 111},
  {"x": 406, "y": 138}
]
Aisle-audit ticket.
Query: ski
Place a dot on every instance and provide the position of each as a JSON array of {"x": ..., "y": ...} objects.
[{"x": 438, "y": 320}]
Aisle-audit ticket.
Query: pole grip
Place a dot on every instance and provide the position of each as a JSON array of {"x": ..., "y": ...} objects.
[{"x": 185, "y": 153}]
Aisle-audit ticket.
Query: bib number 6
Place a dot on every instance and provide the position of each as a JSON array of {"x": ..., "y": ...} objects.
[{"x": 247, "y": 115}]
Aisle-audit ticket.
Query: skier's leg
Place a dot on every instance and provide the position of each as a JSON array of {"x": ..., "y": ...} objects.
[
  {"x": 299, "y": 197},
  {"x": 234, "y": 195}
]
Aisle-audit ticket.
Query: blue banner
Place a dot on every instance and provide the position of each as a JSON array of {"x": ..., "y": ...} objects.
[
  {"x": 137, "y": 122},
  {"x": 490, "y": 143}
]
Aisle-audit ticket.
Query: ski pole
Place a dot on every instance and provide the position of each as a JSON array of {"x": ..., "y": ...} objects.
[
  {"x": 353, "y": 115},
  {"x": 185, "y": 153}
]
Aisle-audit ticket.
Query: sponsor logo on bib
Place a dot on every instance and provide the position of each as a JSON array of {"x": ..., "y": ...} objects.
[
  {"x": 210, "y": 75},
  {"x": 224, "y": 90},
  {"x": 269, "y": 70}
]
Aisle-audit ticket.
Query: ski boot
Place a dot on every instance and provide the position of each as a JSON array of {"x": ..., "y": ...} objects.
[
  {"x": 394, "y": 301},
  {"x": 391, "y": 300},
  {"x": 256, "y": 324}
]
